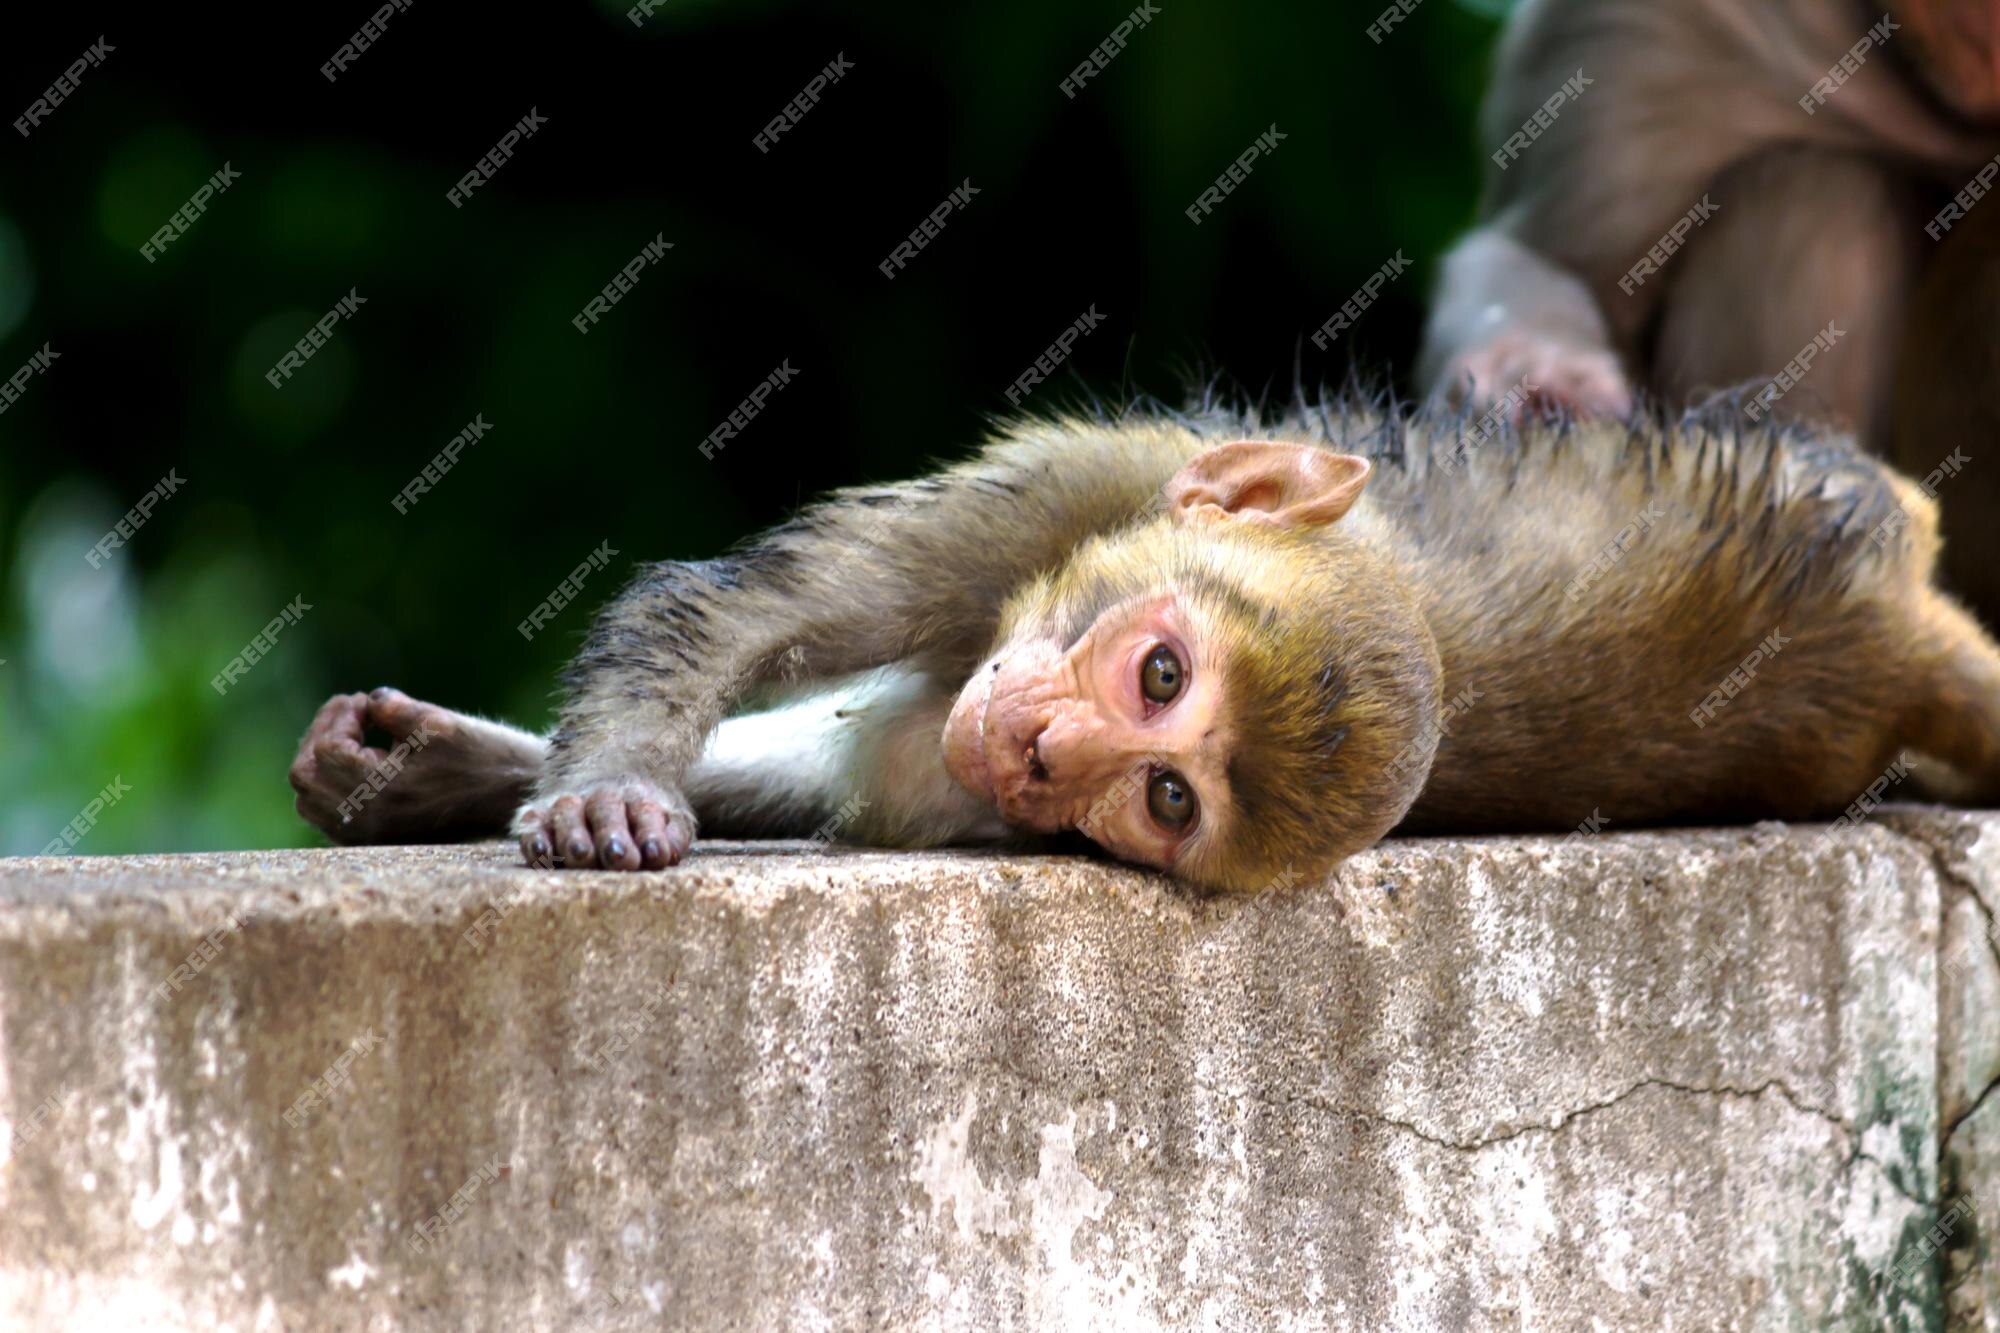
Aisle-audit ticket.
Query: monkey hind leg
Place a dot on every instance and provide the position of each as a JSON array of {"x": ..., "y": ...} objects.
[
  {"x": 1955, "y": 717},
  {"x": 442, "y": 776}
]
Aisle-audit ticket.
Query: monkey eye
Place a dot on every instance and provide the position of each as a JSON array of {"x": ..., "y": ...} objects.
[
  {"x": 1170, "y": 800},
  {"x": 1161, "y": 675}
]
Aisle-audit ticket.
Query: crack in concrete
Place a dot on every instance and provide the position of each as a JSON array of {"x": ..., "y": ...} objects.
[
  {"x": 1934, "y": 852},
  {"x": 1563, "y": 1121},
  {"x": 1931, "y": 846},
  {"x": 1971, "y": 891},
  {"x": 1944, "y": 1139}
]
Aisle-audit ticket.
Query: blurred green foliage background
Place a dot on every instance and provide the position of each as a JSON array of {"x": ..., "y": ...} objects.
[{"x": 287, "y": 491}]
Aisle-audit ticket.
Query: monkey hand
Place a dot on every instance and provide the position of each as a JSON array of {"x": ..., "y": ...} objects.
[
  {"x": 621, "y": 824},
  {"x": 1521, "y": 371}
]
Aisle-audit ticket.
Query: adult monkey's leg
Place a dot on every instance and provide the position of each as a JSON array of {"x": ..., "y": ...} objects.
[
  {"x": 1947, "y": 426},
  {"x": 1806, "y": 243}
]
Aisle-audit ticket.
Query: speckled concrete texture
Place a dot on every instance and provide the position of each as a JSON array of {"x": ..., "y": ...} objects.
[{"x": 1694, "y": 1080}]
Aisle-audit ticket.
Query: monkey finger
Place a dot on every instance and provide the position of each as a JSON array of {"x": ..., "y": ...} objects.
[
  {"x": 395, "y": 712},
  {"x": 313, "y": 808},
  {"x": 340, "y": 767},
  {"x": 531, "y": 828},
  {"x": 337, "y": 722},
  {"x": 649, "y": 829},
  {"x": 569, "y": 835},
  {"x": 680, "y": 836},
  {"x": 616, "y": 850},
  {"x": 304, "y": 772},
  {"x": 341, "y": 720},
  {"x": 340, "y": 749},
  {"x": 536, "y": 850}
]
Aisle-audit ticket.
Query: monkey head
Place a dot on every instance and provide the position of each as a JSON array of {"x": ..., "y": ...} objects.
[{"x": 1236, "y": 690}]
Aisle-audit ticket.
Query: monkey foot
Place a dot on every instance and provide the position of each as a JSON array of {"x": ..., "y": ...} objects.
[
  {"x": 629, "y": 825},
  {"x": 1521, "y": 372},
  {"x": 443, "y": 775}
]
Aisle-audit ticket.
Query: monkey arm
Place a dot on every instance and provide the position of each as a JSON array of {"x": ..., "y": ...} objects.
[
  {"x": 1576, "y": 189},
  {"x": 1605, "y": 122},
  {"x": 865, "y": 578},
  {"x": 856, "y": 762},
  {"x": 1507, "y": 318}
]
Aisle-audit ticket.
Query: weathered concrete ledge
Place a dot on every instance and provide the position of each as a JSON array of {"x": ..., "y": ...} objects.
[{"x": 1732, "y": 1079}]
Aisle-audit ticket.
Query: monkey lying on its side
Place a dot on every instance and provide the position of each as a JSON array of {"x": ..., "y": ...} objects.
[{"x": 1226, "y": 650}]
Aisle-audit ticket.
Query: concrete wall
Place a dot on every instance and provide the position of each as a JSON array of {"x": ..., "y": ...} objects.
[{"x": 1703, "y": 1080}]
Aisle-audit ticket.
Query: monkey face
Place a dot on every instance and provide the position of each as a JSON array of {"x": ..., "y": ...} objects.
[
  {"x": 1226, "y": 705},
  {"x": 1233, "y": 691},
  {"x": 1117, "y": 733}
]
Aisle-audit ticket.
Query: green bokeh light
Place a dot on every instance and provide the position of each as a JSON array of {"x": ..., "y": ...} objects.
[
  {"x": 147, "y": 177},
  {"x": 303, "y": 404}
]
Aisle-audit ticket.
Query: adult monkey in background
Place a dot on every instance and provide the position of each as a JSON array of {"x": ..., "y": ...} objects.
[
  {"x": 1827, "y": 142},
  {"x": 1229, "y": 657}
]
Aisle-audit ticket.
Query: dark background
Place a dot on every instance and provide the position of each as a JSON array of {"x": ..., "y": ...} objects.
[{"x": 287, "y": 492}]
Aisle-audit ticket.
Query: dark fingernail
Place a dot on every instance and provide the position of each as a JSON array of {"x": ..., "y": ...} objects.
[
  {"x": 540, "y": 846},
  {"x": 579, "y": 849},
  {"x": 651, "y": 850},
  {"x": 615, "y": 851}
]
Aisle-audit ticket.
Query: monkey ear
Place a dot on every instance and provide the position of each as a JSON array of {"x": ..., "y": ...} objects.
[{"x": 1265, "y": 481}]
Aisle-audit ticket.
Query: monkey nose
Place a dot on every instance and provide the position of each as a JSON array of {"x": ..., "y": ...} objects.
[{"x": 1033, "y": 757}]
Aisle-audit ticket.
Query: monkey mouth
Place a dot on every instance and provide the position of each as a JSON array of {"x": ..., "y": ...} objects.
[
  {"x": 1010, "y": 778},
  {"x": 992, "y": 749},
  {"x": 1021, "y": 789}
]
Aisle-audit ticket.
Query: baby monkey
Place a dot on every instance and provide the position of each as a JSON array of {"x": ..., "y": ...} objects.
[{"x": 1238, "y": 652}]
